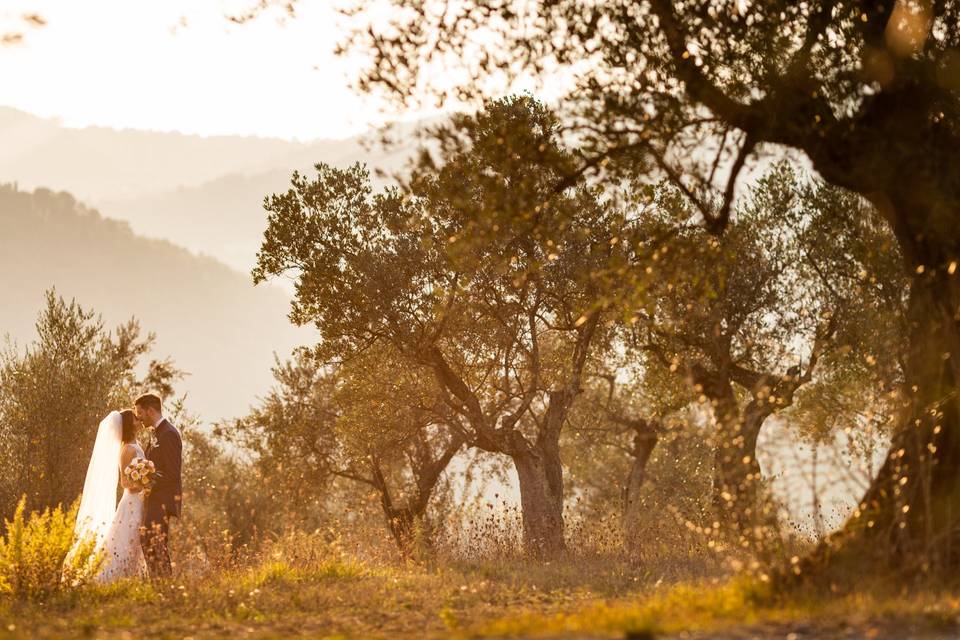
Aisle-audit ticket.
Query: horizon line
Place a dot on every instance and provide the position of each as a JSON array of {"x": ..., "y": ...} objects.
[{"x": 60, "y": 122}]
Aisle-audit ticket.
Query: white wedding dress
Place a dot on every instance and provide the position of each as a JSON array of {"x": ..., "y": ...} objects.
[
  {"x": 122, "y": 554},
  {"x": 116, "y": 527}
]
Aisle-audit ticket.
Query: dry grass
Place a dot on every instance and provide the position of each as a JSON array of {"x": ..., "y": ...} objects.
[
  {"x": 319, "y": 585},
  {"x": 745, "y": 608},
  {"x": 336, "y": 596}
]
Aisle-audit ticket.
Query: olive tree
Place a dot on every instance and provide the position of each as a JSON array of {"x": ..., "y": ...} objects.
[
  {"x": 696, "y": 90},
  {"x": 448, "y": 273}
]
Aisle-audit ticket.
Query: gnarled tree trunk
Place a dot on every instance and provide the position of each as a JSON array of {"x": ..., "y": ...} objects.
[
  {"x": 735, "y": 471},
  {"x": 737, "y": 476},
  {"x": 734, "y": 489},
  {"x": 538, "y": 464},
  {"x": 407, "y": 522},
  {"x": 910, "y": 516},
  {"x": 403, "y": 520},
  {"x": 540, "y": 476},
  {"x": 644, "y": 442}
]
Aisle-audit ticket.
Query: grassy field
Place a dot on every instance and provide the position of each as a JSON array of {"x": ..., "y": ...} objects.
[{"x": 586, "y": 598}]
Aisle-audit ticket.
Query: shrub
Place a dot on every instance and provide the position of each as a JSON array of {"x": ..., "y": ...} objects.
[{"x": 33, "y": 553}]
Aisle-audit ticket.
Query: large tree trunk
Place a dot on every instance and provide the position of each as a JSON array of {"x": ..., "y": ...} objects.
[
  {"x": 737, "y": 480},
  {"x": 733, "y": 495},
  {"x": 736, "y": 471},
  {"x": 644, "y": 443},
  {"x": 540, "y": 476},
  {"x": 909, "y": 517}
]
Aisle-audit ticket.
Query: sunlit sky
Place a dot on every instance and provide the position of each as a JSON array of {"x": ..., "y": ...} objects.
[{"x": 181, "y": 65}]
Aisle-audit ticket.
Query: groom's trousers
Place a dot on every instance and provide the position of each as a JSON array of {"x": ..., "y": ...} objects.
[{"x": 153, "y": 539}]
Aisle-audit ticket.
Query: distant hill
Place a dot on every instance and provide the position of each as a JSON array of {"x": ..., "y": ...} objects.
[
  {"x": 208, "y": 317},
  {"x": 203, "y": 193},
  {"x": 223, "y": 217},
  {"x": 97, "y": 163}
]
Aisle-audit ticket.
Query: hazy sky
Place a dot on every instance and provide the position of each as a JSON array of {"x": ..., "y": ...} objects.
[{"x": 181, "y": 65}]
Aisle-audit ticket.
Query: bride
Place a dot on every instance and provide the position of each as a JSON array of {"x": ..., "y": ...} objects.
[{"x": 115, "y": 527}]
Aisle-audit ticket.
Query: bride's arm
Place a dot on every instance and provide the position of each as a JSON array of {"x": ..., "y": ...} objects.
[{"x": 126, "y": 457}]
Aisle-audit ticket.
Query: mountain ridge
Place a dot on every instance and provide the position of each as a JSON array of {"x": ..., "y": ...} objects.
[
  {"x": 32, "y": 142},
  {"x": 208, "y": 317},
  {"x": 201, "y": 193}
]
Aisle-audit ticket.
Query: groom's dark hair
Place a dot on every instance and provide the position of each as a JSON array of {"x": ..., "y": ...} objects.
[{"x": 149, "y": 401}]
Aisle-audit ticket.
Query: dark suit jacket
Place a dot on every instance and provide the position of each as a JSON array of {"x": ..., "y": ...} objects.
[{"x": 167, "y": 456}]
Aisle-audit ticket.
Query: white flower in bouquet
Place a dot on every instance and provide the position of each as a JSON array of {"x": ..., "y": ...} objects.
[{"x": 141, "y": 472}]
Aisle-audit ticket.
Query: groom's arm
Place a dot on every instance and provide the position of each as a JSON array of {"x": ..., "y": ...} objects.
[{"x": 168, "y": 460}]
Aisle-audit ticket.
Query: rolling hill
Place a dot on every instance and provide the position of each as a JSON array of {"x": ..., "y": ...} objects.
[
  {"x": 202, "y": 193},
  {"x": 209, "y": 318}
]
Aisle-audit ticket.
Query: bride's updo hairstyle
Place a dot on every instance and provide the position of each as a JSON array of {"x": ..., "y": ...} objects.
[{"x": 129, "y": 431}]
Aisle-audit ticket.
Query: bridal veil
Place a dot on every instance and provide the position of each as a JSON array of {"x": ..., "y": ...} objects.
[{"x": 99, "y": 500}]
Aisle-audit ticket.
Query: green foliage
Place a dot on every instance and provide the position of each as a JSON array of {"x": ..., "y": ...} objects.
[
  {"x": 290, "y": 434},
  {"x": 692, "y": 90},
  {"x": 738, "y": 300},
  {"x": 380, "y": 413},
  {"x": 851, "y": 257},
  {"x": 35, "y": 554},
  {"x": 448, "y": 276},
  {"x": 232, "y": 510},
  {"x": 292, "y": 458},
  {"x": 326, "y": 436},
  {"x": 445, "y": 264}
]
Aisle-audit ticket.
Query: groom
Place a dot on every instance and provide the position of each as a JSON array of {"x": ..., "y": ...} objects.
[{"x": 164, "y": 448}]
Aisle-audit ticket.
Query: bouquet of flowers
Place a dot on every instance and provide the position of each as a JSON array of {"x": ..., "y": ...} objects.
[{"x": 141, "y": 472}]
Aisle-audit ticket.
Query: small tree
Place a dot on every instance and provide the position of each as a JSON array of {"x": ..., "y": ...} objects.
[
  {"x": 397, "y": 438},
  {"x": 291, "y": 436},
  {"x": 732, "y": 316},
  {"x": 631, "y": 406},
  {"x": 367, "y": 422}
]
